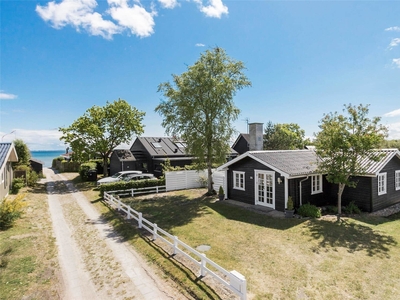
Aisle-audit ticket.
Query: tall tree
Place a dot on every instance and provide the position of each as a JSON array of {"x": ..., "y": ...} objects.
[
  {"x": 343, "y": 141},
  {"x": 24, "y": 155},
  {"x": 287, "y": 136},
  {"x": 101, "y": 129},
  {"x": 200, "y": 107}
]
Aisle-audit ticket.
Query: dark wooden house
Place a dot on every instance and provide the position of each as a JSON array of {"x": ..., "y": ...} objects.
[
  {"x": 36, "y": 165},
  {"x": 268, "y": 178},
  {"x": 122, "y": 160}
]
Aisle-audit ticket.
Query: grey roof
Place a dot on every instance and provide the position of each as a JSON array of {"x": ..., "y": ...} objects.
[
  {"x": 290, "y": 163},
  {"x": 245, "y": 136},
  {"x": 295, "y": 163},
  {"x": 124, "y": 155},
  {"x": 377, "y": 160},
  {"x": 7, "y": 152}
]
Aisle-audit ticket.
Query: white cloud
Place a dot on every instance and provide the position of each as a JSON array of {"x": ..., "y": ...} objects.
[
  {"x": 139, "y": 21},
  {"x": 168, "y": 3},
  {"x": 393, "y": 113},
  {"x": 79, "y": 14},
  {"x": 215, "y": 9},
  {"x": 5, "y": 96},
  {"x": 37, "y": 139},
  {"x": 395, "y": 28},
  {"x": 394, "y": 131},
  {"x": 200, "y": 45},
  {"x": 395, "y": 42},
  {"x": 396, "y": 62}
]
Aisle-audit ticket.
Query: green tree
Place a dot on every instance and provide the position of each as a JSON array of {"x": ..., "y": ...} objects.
[
  {"x": 287, "y": 136},
  {"x": 24, "y": 155},
  {"x": 391, "y": 144},
  {"x": 200, "y": 107},
  {"x": 343, "y": 141},
  {"x": 101, "y": 129}
]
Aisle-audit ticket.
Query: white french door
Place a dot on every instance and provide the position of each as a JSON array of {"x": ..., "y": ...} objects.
[{"x": 265, "y": 188}]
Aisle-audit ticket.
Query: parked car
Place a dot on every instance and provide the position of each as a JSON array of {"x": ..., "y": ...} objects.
[
  {"x": 118, "y": 176},
  {"x": 143, "y": 176}
]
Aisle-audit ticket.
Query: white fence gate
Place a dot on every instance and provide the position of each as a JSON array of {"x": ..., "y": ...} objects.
[{"x": 191, "y": 179}]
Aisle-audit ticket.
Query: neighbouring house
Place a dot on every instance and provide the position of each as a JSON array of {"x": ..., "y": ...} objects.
[
  {"x": 122, "y": 160},
  {"x": 8, "y": 155},
  {"x": 36, "y": 165},
  {"x": 250, "y": 141},
  {"x": 268, "y": 178}
]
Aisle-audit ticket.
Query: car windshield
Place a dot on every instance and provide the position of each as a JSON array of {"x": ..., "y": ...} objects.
[{"x": 116, "y": 175}]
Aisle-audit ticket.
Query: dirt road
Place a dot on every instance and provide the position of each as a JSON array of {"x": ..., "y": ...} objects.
[{"x": 95, "y": 262}]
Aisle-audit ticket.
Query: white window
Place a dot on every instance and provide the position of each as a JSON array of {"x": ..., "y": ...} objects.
[
  {"x": 397, "y": 180},
  {"x": 238, "y": 180},
  {"x": 381, "y": 183},
  {"x": 316, "y": 184}
]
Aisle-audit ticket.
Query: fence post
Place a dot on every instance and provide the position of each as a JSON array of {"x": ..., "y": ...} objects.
[
  {"x": 175, "y": 244},
  {"x": 203, "y": 271},
  {"x": 154, "y": 231},
  {"x": 132, "y": 192},
  {"x": 238, "y": 282},
  {"x": 129, "y": 212},
  {"x": 119, "y": 203},
  {"x": 140, "y": 220}
]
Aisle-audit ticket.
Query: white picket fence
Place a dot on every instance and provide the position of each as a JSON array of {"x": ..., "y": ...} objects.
[
  {"x": 233, "y": 280},
  {"x": 140, "y": 191}
]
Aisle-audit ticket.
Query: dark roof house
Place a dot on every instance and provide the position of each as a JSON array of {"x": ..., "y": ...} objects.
[
  {"x": 268, "y": 178},
  {"x": 8, "y": 154},
  {"x": 122, "y": 160}
]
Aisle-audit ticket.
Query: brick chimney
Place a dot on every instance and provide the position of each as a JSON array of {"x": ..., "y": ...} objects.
[{"x": 256, "y": 136}]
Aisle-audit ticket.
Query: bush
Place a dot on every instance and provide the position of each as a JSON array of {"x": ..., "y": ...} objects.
[
  {"x": 308, "y": 210},
  {"x": 333, "y": 210},
  {"x": 17, "y": 184},
  {"x": 126, "y": 185},
  {"x": 85, "y": 168},
  {"x": 31, "y": 176},
  {"x": 10, "y": 210},
  {"x": 351, "y": 208}
]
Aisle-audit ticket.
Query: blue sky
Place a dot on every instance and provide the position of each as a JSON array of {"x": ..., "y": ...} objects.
[{"x": 304, "y": 59}]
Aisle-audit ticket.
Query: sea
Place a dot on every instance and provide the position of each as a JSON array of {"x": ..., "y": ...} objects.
[{"x": 46, "y": 156}]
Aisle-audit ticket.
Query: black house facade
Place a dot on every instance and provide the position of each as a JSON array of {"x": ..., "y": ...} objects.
[{"x": 268, "y": 178}]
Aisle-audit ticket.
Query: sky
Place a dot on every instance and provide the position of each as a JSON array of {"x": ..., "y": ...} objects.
[{"x": 304, "y": 59}]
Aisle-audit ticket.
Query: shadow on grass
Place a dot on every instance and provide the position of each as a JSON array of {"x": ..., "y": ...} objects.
[
  {"x": 256, "y": 218},
  {"x": 354, "y": 237},
  {"x": 128, "y": 231}
]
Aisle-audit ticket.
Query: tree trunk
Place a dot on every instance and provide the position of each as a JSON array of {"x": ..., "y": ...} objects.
[
  {"x": 339, "y": 200},
  {"x": 105, "y": 166},
  {"x": 210, "y": 180}
]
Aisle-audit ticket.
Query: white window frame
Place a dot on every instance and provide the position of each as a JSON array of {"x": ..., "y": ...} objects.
[
  {"x": 316, "y": 189},
  {"x": 397, "y": 180},
  {"x": 241, "y": 177},
  {"x": 382, "y": 183}
]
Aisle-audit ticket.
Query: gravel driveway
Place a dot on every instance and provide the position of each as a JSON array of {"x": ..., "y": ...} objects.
[{"x": 95, "y": 262}]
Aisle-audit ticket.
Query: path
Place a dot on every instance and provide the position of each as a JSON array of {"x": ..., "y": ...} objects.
[{"x": 95, "y": 262}]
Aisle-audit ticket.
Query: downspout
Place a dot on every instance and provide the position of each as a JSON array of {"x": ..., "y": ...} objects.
[{"x": 301, "y": 202}]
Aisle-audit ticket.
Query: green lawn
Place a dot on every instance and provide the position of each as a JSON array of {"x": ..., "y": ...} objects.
[{"x": 286, "y": 258}]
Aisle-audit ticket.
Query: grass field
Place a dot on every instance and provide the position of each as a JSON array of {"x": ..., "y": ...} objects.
[
  {"x": 28, "y": 253},
  {"x": 286, "y": 258}
]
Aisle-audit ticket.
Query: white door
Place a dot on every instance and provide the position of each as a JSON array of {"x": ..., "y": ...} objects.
[{"x": 265, "y": 188}]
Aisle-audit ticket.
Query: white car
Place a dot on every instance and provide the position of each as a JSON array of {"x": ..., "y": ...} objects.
[{"x": 118, "y": 177}]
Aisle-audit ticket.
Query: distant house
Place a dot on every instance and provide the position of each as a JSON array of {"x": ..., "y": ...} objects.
[
  {"x": 268, "y": 178},
  {"x": 8, "y": 155},
  {"x": 250, "y": 141},
  {"x": 36, "y": 165},
  {"x": 122, "y": 160}
]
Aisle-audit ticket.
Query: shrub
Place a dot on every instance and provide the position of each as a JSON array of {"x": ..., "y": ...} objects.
[
  {"x": 31, "y": 176},
  {"x": 308, "y": 210},
  {"x": 331, "y": 209},
  {"x": 126, "y": 185},
  {"x": 17, "y": 184},
  {"x": 85, "y": 168},
  {"x": 10, "y": 210},
  {"x": 351, "y": 208}
]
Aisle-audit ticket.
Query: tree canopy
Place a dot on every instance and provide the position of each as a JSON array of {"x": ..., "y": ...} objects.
[
  {"x": 343, "y": 141},
  {"x": 287, "y": 136},
  {"x": 199, "y": 106},
  {"x": 24, "y": 155},
  {"x": 101, "y": 129}
]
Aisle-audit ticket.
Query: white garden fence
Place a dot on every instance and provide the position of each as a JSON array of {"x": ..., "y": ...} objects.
[
  {"x": 191, "y": 179},
  {"x": 233, "y": 280}
]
